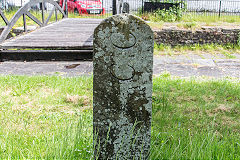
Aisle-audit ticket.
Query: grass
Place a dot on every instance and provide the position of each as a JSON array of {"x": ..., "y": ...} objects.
[
  {"x": 37, "y": 14},
  {"x": 195, "y": 21},
  {"x": 207, "y": 18},
  {"x": 195, "y": 119},
  {"x": 226, "y": 51},
  {"x": 51, "y": 118},
  {"x": 210, "y": 18},
  {"x": 41, "y": 118}
]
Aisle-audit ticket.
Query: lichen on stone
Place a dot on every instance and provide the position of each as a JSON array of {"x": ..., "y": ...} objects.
[{"x": 122, "y": 84}]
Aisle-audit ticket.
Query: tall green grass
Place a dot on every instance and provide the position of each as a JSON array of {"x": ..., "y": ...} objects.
[
  {"x": 37, "y": 14},
  {"x": 210, "y": 18},
  {"x": 44, "y": 118},
  {"x": 51, "y": 118},
  {"x": 191, "y": 17},
  {"x": 195, "y": 119},
  {"x": 227, "y": 50}
]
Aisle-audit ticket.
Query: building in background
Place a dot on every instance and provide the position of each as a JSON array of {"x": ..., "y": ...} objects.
[
  {"x": 12, "y": 3},
  {"x": 8, "y": 4}
]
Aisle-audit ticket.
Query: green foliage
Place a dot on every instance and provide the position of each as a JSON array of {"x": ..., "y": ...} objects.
[
  {"x": 189, "y": 25},
  {"x": 173, "y": 14}
]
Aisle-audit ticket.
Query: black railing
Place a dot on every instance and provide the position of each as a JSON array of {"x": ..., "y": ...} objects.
[
  {"x": 105, "y": 8},
  {"x": 213, "y": 7}
]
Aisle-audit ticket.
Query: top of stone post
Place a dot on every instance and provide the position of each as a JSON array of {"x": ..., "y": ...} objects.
[{"x": 123, "y": 24}]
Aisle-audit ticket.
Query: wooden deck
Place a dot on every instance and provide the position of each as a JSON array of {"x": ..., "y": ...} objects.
[{"x": 67, "y": 34}]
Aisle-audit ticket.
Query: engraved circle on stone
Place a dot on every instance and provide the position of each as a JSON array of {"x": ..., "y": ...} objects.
[
  {"x": 121, "y": 41},
  {"x": 122, "y": 72}
]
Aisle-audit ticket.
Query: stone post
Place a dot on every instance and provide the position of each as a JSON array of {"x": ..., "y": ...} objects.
[{"x": 122, "y": 88}]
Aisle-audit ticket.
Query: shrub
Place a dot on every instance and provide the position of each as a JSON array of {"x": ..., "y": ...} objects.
[{"x": 173, "y": 14}]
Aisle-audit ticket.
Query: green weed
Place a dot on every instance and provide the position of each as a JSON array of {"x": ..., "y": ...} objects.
[
  {"x": 208, "y": 18},
  {"x": 192, "y": 118},
  {"x": 188, "y": 25},
  {"x": 195, "y": 119},
  {"x": 37, "y": 14},
  {"x": 45, "y": 118},
  {"x": 171, "y": 15},
  {"x": 199, "y": 49}
]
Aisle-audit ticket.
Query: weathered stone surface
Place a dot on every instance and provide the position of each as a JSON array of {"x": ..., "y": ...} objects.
[
  {"x": 122, "y": 88},
  {"x": 206, "y": 35}
]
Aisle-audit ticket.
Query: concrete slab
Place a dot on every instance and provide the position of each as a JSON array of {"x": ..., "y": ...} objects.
[{"x": 179, "y": 66}]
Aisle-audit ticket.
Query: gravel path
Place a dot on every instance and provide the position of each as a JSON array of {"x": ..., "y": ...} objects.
[{"x": 177, "y": 66}]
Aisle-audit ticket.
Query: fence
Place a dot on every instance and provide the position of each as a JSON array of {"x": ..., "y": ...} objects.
[
  {"x": 213, "y": 7},
  {"x": 208, "y": 7}
]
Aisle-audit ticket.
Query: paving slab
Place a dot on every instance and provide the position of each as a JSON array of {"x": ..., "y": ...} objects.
[
  {"x": 46, "y": 68},
  {"x": 181, "y": 70},
  {"x": 204, "y": 62},
  {"x": 177, "y": 66},
  {"x": 193, "y": 56},
  {"x": 227, "y": 62},
  {"x": 237, "y": 56},
  {"x": 210, "y": 71}
]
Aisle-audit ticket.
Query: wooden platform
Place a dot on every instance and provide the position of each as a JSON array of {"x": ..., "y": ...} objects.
[{"x": 67, "y": 34}]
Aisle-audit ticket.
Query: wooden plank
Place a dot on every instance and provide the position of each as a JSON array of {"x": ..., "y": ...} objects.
[
  {"x": 83, "y": 37},
  {"x": 63, "y": 39},
  {"x": 67, "y": 39},
  {"x": 66, "y": 34},
  {"x": 51, "y": 39},
  {"x": 23, "y": 11},
  {"x": 45, "y": 55},
  {"x": 32, "y": 44},
  {"x": 49, "y": 42},
  {"x": 85, "y": 45},
  {"x": 52, "y": 34}
]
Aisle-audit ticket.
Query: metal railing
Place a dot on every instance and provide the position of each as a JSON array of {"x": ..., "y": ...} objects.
[
  {"x": 5, "y": 20},
  {"x": 213, "y": 7},
  {"x": 24, "y": 11},
  {"x": 109, "y": 7}
]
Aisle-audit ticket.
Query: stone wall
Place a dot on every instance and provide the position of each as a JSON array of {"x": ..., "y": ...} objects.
[{"x": 205, "y": 35}]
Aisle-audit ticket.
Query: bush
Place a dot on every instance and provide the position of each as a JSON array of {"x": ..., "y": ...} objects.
[{"x": 171, "y": 15}]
